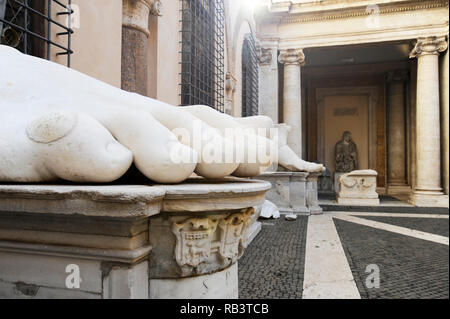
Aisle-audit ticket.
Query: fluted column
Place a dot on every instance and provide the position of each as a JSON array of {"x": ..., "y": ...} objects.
[
  {"x": 397, "y": 130},
  {"x": 135, "y": 14},
  {"x": 428, "y": 190},
  {"x": 293, "y": 59}
]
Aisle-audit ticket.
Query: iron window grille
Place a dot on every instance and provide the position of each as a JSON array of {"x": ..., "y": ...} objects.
[
  {"x": 202, "y": 53},
  {"x": 28, "y": 25},
  {"x": 249, "y": 77}
]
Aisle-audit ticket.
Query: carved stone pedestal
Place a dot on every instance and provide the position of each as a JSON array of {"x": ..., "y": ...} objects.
[
  {"x": 293, "y": 192},
  {"x": 312, "y": 199},
  {"x": 358, "y": 188},
  {"x": 133, "y": 241}
]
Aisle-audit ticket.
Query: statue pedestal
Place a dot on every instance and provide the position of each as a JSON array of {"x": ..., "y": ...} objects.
[
  {"x": 358, "y": 188},
  {"x": 125, "y": 241},
  {"x": 336, "y": 181},
  {"x": 293, "y": 192}
]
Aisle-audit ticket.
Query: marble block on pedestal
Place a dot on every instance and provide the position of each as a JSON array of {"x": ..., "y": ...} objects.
[{"x": 358, "y": 188}]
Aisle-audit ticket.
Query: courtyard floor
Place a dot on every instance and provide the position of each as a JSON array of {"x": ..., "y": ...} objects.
[{"x": 349, "y": 255}]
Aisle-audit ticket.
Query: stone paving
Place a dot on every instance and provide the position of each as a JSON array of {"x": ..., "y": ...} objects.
[
  {"x": 409, "y": 268},
  {"x": 428, "y": 225},
  {"x": 273, "y": 265}
]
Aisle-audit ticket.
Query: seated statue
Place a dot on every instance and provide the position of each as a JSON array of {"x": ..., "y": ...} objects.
[
  {"x": 346, "y": 154},
  {"x": 57, "y": 123}
]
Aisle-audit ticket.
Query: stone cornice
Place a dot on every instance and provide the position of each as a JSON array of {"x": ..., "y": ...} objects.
[
  {"x": 352, "y": 12},
  {"x": 429, "y": 46},
  {"x": 291, "y": 56}
]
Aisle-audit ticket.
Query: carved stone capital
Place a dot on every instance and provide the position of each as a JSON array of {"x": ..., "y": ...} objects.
[
  {"x": 397, "y": 76},
  {"x": 156, "y": 8},
  {"x": 135, "y": 13},
  {"x": 292, "y": 56},
  {"x": 265, "y": 56},
  {"x": 429, "y": 46}
]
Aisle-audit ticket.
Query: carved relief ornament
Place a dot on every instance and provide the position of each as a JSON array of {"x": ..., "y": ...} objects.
[
  {"x": 195, "y": 245},
  {"x": 234, "y": 234},
  {"x": 265, "y": 56}
]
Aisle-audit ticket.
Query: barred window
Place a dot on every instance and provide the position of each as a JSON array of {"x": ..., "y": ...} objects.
[
  {"x": 249, "y": 77},
  {"x": 202, "y": 58},
  {"x": 27, "y": 26}
]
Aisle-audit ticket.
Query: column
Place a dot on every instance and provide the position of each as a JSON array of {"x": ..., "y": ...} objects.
[
  {"x": 268, "y": 83},
  {"x": 135, "y": 14},
  {"x": 293, "y": 59},
  {"x": 428, "y": 191},
  {"x": 397, "y": 181},
  {"x": 445, "y": 121}
]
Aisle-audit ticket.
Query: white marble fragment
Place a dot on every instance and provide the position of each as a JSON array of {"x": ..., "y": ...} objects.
[
  {"x": 290, "y": 217},
  {"x": 269, "y": 210}
]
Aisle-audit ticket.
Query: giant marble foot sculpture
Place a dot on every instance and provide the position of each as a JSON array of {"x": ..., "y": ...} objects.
[{"x": 58, "y": 123}]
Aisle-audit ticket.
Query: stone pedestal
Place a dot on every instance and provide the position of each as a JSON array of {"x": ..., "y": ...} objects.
[
  {"x": 255, "y": 225},
  {"x": 337, "y": 175},
  {"x": 279, "y": 192},
  {"x": 312, "y": 199},
  {"x": 131, "y": 241},
  {"x": 293, "y": 192},
  {"x": 358, "y": 188},
  {"x": 428, "y": 190},
  {"x": 298, "y": 192}
]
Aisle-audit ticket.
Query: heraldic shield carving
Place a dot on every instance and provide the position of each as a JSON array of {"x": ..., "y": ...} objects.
[
  {"x": 234, "y": 234},
  {"x": 197, "y": 241},
  {"x": 193, "y": 243}
]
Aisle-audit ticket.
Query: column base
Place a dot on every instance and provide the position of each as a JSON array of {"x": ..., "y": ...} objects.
[{"x": 429, "y": 199}]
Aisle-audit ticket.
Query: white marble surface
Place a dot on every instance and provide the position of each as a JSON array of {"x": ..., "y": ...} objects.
[
  {"x": 89, "y": 131},
  {"x": 327, "y": 273},
  {"x": 220, "y": 285}
]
